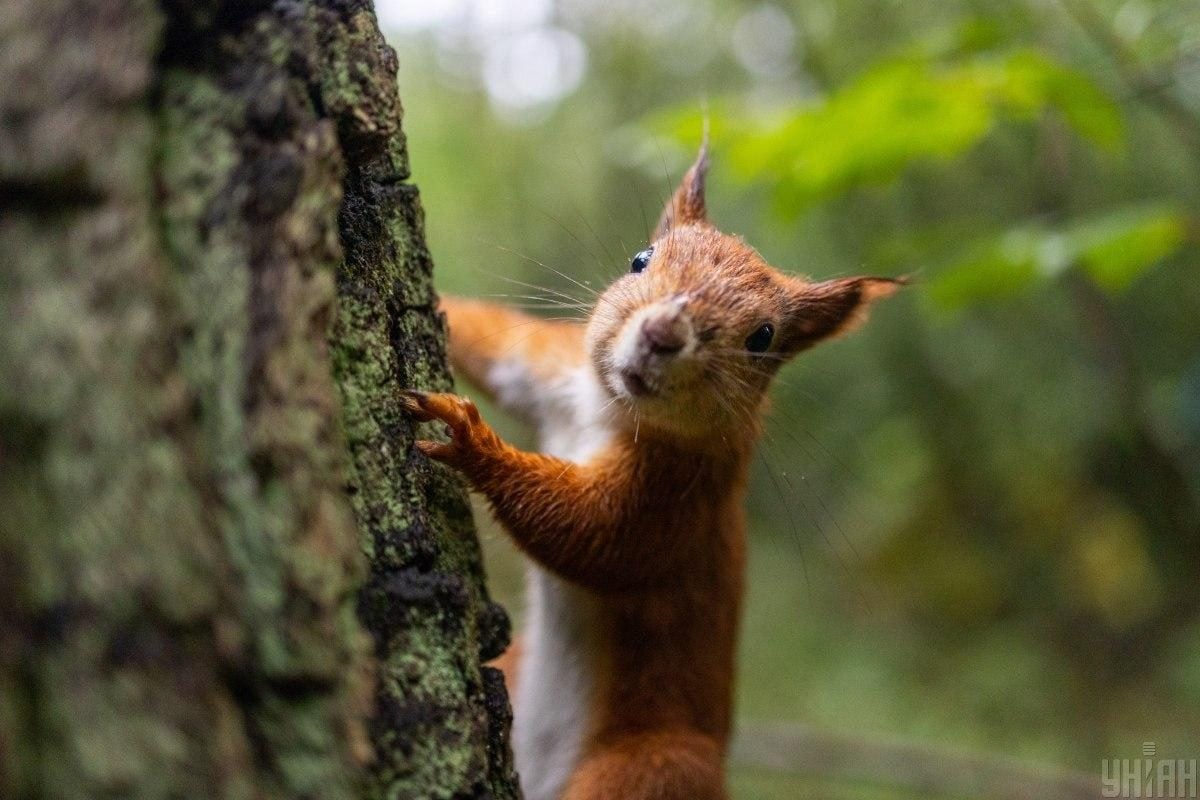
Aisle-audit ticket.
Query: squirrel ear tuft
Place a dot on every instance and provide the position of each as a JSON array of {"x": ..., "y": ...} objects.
[
  {"x": 686, "y": 206},
  {"x": 829, "y": 308}
]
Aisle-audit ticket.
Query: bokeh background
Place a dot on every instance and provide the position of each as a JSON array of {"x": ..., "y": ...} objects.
[{"x": 976, "y": 523}]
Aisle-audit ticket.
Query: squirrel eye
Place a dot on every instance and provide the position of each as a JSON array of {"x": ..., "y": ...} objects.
[
  {"x": 760, "y": 340},
  {"x": 641, "y": 260}
]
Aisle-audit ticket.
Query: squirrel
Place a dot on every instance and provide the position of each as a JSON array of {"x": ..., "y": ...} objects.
[{"x": 631, "y": 516}]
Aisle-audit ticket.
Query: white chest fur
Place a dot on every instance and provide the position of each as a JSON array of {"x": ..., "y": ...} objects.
[{"x": 556, "y": 677}]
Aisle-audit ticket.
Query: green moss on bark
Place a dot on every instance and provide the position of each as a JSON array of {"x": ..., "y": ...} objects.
[{"x": 424, "y": 601}]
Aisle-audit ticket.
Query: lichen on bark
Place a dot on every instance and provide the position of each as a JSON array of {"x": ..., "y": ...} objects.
[
  {"x": 214, "y": 284},
  {"x": 424, "y": 601}
]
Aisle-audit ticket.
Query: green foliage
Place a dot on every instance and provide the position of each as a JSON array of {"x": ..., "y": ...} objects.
[
  {"x": 909, "y": 110},
  {"x": 901, "y": 112},
  {"x": 1113, "y": 249}
]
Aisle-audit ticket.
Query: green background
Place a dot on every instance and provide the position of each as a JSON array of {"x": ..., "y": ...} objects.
[{"x": 975, "y": 523}]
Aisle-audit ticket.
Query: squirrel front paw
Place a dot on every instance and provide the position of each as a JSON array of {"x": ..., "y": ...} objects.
[{"x": 470, "y": 437}]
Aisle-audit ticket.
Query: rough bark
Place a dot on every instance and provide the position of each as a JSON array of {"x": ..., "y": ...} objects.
[{"x": 223, "y": 573}]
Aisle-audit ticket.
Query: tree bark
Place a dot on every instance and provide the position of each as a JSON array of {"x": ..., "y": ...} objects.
[{"x": 223, "y": 570}]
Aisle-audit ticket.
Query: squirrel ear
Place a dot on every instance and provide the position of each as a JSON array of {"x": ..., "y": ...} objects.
[
  {"x": 686, "y": 206},
  {"x": 829, "y": 308}
]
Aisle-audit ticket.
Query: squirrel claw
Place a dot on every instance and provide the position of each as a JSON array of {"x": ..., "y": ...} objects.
[
  {"x": 416, "y": 403},
  {"x": 457, "y": 412},
  {"x": 438, "y": 451},
  {"x": 469, "y": 435}
]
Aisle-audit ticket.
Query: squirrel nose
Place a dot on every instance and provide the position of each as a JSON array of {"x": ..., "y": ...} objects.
[{"x": 665, "y": 333}]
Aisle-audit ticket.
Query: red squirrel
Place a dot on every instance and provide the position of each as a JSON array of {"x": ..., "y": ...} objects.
[{"x": 632, "y": 515}]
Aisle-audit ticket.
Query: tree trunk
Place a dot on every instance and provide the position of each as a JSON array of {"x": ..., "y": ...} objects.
[{"x": 223, "y": 571}]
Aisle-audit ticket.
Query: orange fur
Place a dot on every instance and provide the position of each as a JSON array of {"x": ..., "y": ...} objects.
[
  {"x": 484, "y": 334},
  {"x": 649, "y": 525},
  {"x": 672, "y": 596},
  {"x": 508, "y": 663}
]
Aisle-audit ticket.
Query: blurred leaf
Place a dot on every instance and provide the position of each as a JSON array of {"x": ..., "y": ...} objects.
[
  {"x": 900, "y": 112},
  {"x": 1119, "y": 247},
  {"x": 1001, "y": 267},
  {"x": 1088, "y": 110},
  {"x": 1114, "y": 249},
  {"x": 979, "y": 34}
]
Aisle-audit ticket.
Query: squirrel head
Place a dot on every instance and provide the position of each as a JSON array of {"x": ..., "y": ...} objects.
[{"x": 691, "y": 337}]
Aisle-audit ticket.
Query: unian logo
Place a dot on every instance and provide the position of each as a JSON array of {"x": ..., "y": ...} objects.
[{"x": 1149, "y": 776}]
